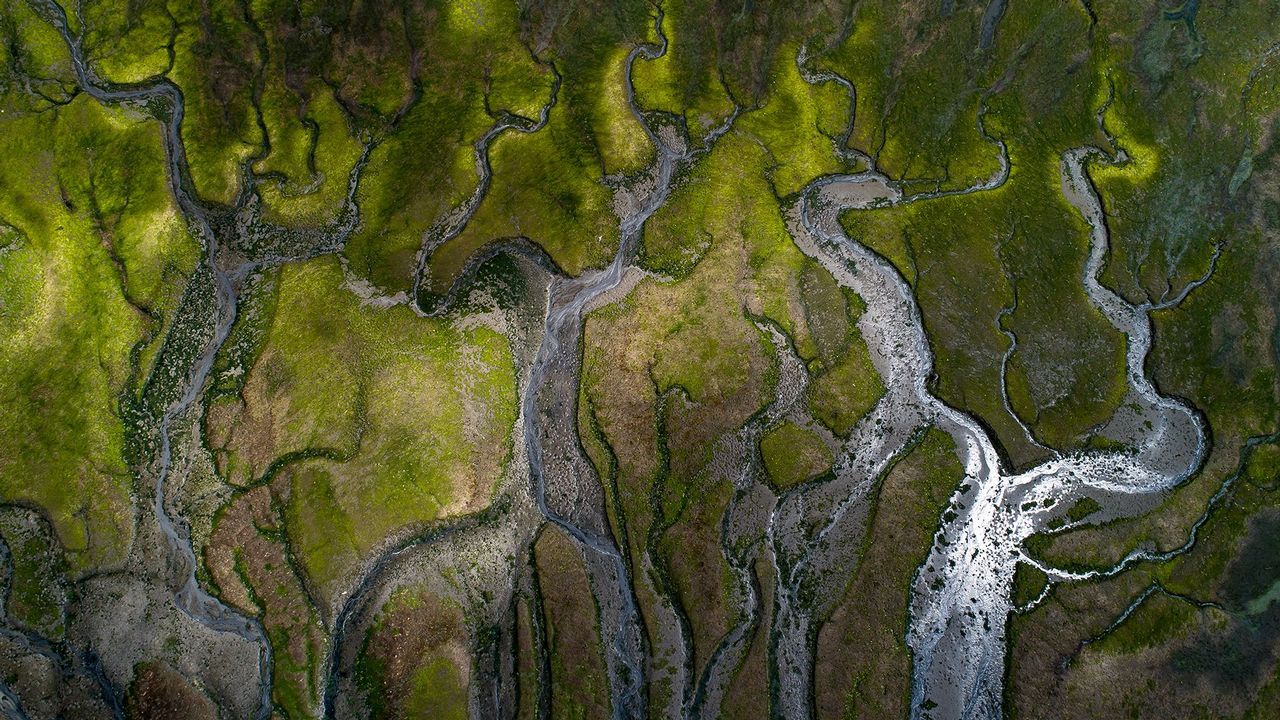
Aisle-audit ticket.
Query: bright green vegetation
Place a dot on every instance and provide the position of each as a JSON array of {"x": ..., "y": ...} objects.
[
  {"x": 685, "y": 80},
  {"x": 1160, "y": 619},
  {"x": 845, "y": 385},
  {"x": 623, "y": 146},
  {"x": 35, "y": 61},
  {"x": 725, "y": 219},
  {"x": 387, "y": 420},
  {"x": 1028, "y": 582},
  {"x": 93, "y": 257},
  {"x": 799, "y": 124},
  {"x": 846, "y": 392},
  {"x": 1083, "y": 508},
  {"x": 919, "y": 121},
  {"x": 312, "y": 153},
  {"x": 438, "y": 692},
  {"x": 547, "y": 186},
  {"x": 723, "y": 54},
  {"x": 1264, "y": 466},
  {"x": 215, "y": 55},
  {"x": 427, "y": 165},
  {"x": 132, "y": 45},
  {"x": 793, "y": 455}
]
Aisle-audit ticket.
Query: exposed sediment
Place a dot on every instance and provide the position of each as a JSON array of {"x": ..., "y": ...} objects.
[
  {"x": 810, "y": 534},
  {"x": 747, "y": 518},
  {"x": 563, "y": 488},
  {"x": 128, "y": 615},
  {"x": 962, "y": 593},
  {"x": 963, "y": 590},
  {"x": 567, "y": 489}
]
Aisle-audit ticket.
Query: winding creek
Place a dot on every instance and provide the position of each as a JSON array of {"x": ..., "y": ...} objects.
[
  {"x": 189, "y": 596},
  {"x": 564, "y": 486},
  {"x": 958, "y": 629},
  {"x": 204, "y": 321},
  {"x": 567, "y": 489},
  {"x": 961, "y": 595}
]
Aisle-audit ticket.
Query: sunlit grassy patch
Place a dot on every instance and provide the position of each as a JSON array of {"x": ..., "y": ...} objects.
[
  {"x": 1264, "y": 466},
  {"x": 1158, "y": 620},
  {"x": 127, "y": 44},
  {"x": 401, "y": 197},
  {"x": 219, "y": 128},
  {"x": 312, "y": 148},
  {"x": 37, "y": 67},
  {"x": 798, "y": 124},
  {"x": 624, "y": 147},
  {"x": 546, "y": 187},
  {"x": 411, "y": 417},
  {"x": 1028, "y": 583},
  {"x": 845, "y": 385},
  {"x": 840, "y": 396},
  {"x": 477, "y": 67},
  {"x": 92, "y": 244},
  {"x": 685, "y": 80}
]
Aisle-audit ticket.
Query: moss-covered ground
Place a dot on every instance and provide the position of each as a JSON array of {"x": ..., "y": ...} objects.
[
  {"x": 415, "y": 662},
  {"x": 793, "y": 455},
  {"x": 376, "y": 420},
  {"x": 339, "y": 427},
  {"x": 863, "y": 663},
  {"x": 93, "y": 258}
]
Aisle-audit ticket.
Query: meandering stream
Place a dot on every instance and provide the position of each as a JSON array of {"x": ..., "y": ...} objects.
[
  {"x": 212, "y": 294},
  {"x": 189, "y": 596},
  {"x": 567, "y": 489},
  {"x": 962, "y": 592}
]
